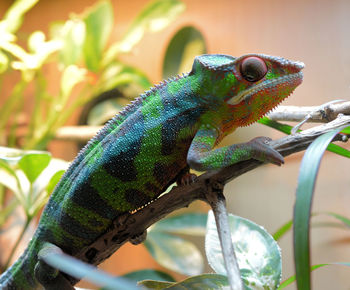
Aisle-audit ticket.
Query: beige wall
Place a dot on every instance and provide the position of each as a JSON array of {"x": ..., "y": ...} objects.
[{"x": 315, "y": 32}]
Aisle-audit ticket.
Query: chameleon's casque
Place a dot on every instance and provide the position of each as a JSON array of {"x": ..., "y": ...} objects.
[{"x": 152, "y": 142}]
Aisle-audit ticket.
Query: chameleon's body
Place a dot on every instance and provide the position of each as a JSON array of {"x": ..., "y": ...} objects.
[{"x": 150, "y": 144}]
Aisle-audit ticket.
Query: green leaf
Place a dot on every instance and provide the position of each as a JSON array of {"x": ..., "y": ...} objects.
[
  {"x": 154, "y": 17},
  {"x": 338, "y": 150},
  {"x": 288, "y": 225},
  {"x": 302, "y": 209},
  {"x": 184, "y": 46},
  {"x": 72, "y": 35},
  {"x": 291, "y": 279},
  {"x": 8, "y": 176},
  {"x": 71, "y": 76},
  {"x": 188, "y": 224},
  {"x": 81, "y": 270},
  {"x": 283, "y": 230},
  {"x": 148, "y": 274},
  {"x": 174, "y": 253},
  {"x": 276, "y": 125},
  {"x": 14, "y": 16},
  {"x": 99, "y": 23},
  {"x": 33, "y": 164},
  {"x": 341, "y": 218},
  {"x": 155, "y": 285},
  {"x": 287, "y": 129},
  {"x": 258, "y": 255},
  {"x": 54, "y": 180},
  {"x": 204, "y": 281},
  {"x": 117, "y": 74}
]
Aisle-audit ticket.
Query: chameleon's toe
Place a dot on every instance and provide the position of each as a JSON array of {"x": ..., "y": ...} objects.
[
  {"x": 262, "y": 151},
  {"x": 138, "y": 239},
  {"x": 187, "y": 179}
]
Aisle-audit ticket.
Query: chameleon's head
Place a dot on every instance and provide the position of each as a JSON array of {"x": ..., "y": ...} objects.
[{"x": 248, "y": 86}]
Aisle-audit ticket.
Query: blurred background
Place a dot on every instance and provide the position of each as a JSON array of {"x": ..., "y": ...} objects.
[{"x": 314, "y": 32}]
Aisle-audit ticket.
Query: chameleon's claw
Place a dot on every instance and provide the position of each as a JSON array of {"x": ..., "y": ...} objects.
[{"x": 138, "y": 239}]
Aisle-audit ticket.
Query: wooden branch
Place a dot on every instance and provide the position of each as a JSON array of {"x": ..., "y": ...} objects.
[
  {"x": 130, "y": 226},
  {"x": 319, "y": 114},
  {"x": 77, "y": 133}
]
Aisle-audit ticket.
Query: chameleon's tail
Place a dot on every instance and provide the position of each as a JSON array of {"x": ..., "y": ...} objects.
[{"x": 21, "y": 274}]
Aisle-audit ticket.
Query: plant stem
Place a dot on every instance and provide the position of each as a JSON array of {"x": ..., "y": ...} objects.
[
  {"x": 15, "y": 246},
  {"x": 10, "y": 104}
]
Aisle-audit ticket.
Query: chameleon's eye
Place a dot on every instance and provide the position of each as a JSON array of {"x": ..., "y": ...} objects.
[{"x": 253, "y": 69}]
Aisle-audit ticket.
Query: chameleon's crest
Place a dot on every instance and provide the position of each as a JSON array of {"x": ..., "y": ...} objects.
[{"x": 214, "y": 62}]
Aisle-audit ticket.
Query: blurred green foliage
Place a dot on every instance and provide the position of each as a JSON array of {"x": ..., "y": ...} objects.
[{"x": 83, "y": 53}]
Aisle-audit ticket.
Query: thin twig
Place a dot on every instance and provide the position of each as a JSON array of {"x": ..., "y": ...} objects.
[{"x": 217, "y": 202}]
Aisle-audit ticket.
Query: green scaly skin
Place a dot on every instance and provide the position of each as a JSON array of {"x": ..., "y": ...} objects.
[{"x": 149, "y": 145}]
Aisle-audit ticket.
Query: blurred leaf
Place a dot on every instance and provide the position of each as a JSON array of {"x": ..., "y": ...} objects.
[
  {"x": 154, "y": 17},
  {"x": 71, "y": 76},
  {"x": 35, "y": 40},
  {"x": 258, "y": 255},
  {"x": 54, "y": 180},
  {"x": 276, "y": 125},
  {"x": 4, "y": 61},
  {"x": 291, "y": 279},
  {"x": 8, "y": 176},
  {"x": 72, "y": 35},
  {"x": 33, "y": 164},
  {"x": 188, "y": 223},
  {"x": 204, "y": 281},
  {"x": 98, "y": 22},
  {"x": 287, "y": 129},
  {"x": 283, "y": 230},
  {"x": 44, "y": 184},
  {"x": 118, "y": 74},
  {"x": 81, "y": 270},
  {"x": 104, "y": 111},
  {"x": 40, "y": 51},
  {"x": 174, "y": 253},
  {"x": 288, "y": 225},
  {"x": 341, "y": 218},
  {"x": 302, "y": 209},
  {"x": 184, "y": 46},
  {"x": 14, "y": 16},
  {"x": 148, "y": 275},
  {"x": 346, "y": 131}
]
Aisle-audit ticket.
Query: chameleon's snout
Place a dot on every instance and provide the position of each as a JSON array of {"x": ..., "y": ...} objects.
[
  {"x": 299, "y": 65},
  {"x": 294, "y": 66}
]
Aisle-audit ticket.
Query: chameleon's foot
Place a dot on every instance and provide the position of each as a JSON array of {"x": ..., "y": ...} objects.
[
  {"x": 48, "y": 276},
  {"x": 262, "y": 151},
  {"x": 185, "y": 177},
  {"x": 138, "y": 239}
]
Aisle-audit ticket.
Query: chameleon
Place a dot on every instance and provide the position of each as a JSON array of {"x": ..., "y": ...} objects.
[{"x": 154, "y": 142}]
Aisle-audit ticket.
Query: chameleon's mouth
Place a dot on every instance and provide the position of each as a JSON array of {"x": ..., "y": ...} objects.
[{"x": 278, "y": 84}]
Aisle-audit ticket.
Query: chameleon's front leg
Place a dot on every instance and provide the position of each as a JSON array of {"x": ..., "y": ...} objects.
[{"x": 202, "y": 157}]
